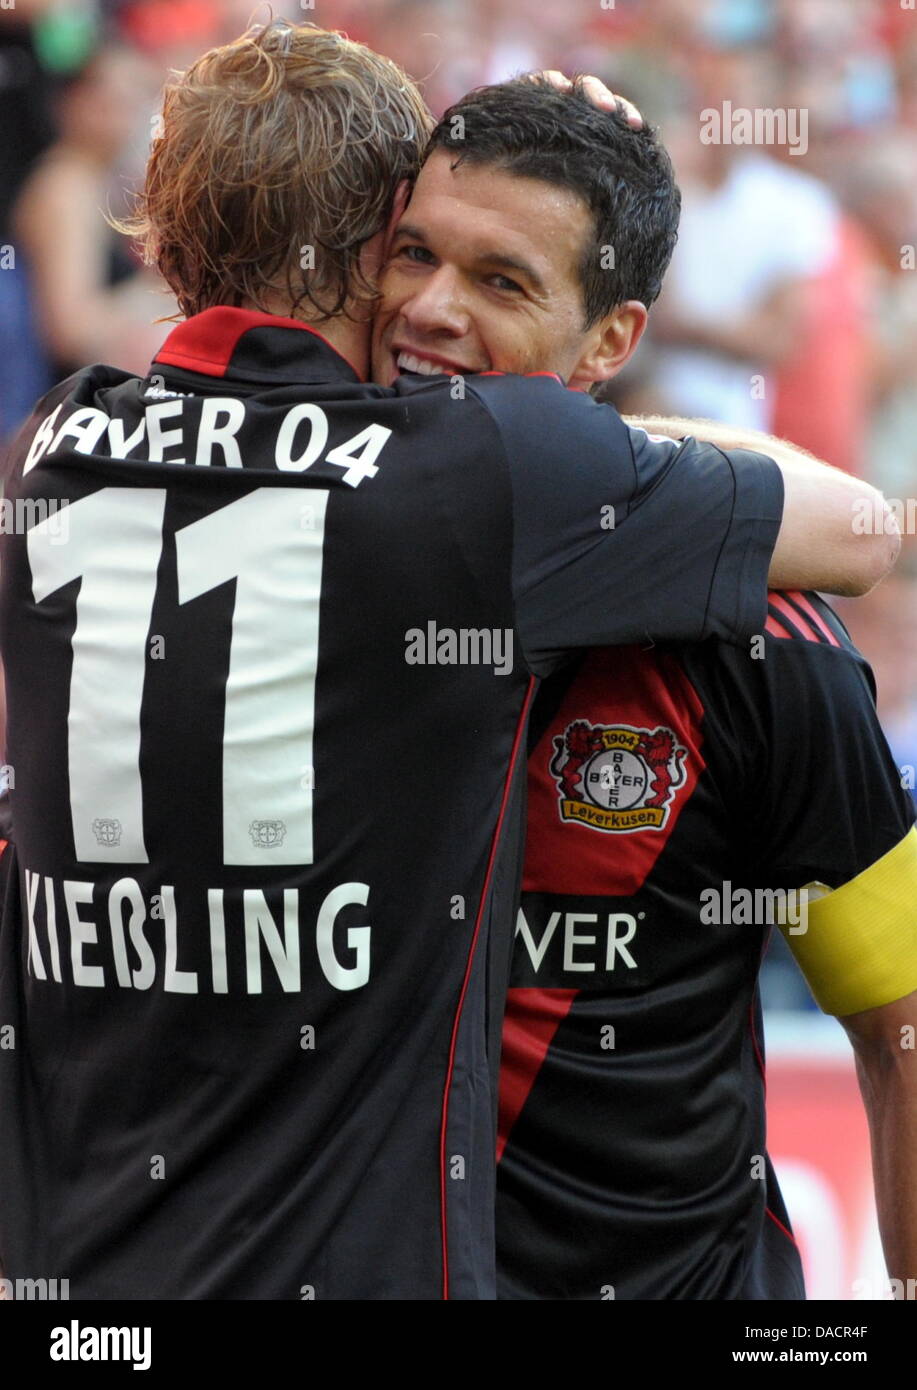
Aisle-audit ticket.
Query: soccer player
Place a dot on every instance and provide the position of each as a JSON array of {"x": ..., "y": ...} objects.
[
  {"x": 271, "y": 634},
  {"x": 677, "y": 793}
]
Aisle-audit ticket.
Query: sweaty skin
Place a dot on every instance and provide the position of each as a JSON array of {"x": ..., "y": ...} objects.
[{"x": 483, "y": 276}]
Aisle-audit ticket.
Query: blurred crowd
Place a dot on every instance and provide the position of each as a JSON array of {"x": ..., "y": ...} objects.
[{"x": 791, "y": 304}]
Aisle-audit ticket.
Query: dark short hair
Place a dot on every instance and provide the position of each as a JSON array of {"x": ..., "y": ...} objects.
[{"x": 528, "y": 128}]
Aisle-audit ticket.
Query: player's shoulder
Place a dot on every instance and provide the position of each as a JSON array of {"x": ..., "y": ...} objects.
[
  {"x": 801, "y": 621},
  {"x": 538, "y": 415},
  {"x": 484, "y": 386},
  {"x": 801, "y": 678},
  {"x": 804, "y": 660},
  {"x": 535, "y": 394},
  {"x": 803, "y": 656},
  {"x": 527, "y": 401},
  {"x": 73, "y": 392},
  {"x": 46, "y": 414},
  {"x": 518, "y": 403},
  {"x": 497, "y": 386},
  {"x": 505, "y": 400}
]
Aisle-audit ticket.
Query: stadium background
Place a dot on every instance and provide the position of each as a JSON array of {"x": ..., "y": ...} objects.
[{"x": 825, "y": 291}]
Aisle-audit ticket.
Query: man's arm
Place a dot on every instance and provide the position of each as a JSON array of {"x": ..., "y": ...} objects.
[
  {"x": 618, "y": 538},
  {"x": 859, "y": 954},
  {"x": 886, "y": 1061},
  {"x": 819, "y": 546},
  {"x": 821, "y": 800}
]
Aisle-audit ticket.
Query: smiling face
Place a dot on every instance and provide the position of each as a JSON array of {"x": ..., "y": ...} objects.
[{"x": 484, "y": 276}]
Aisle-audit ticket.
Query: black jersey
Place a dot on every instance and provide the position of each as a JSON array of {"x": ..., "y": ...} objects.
[
  {"x": 270, "y": 635},
  {"x": 672, "y": 791}
]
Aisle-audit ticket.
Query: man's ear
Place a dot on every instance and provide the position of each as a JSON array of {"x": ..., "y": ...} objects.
[{"x": 609, "y": 344}]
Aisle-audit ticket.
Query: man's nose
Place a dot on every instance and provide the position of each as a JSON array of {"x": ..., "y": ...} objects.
[{"x": 439, "y": 307}]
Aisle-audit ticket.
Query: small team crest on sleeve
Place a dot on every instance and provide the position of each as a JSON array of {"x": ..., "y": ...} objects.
[{"x": 616, "y": 777}]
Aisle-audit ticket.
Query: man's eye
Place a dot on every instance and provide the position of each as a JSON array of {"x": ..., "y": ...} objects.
[
  {"x": 420, "y": 254},
  {"x": 503, "y": 282}
]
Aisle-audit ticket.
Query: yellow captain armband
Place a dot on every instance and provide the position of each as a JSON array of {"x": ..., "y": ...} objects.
[{"x": 859, "y": 946}]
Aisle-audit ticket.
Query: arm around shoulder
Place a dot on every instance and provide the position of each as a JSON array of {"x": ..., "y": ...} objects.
[{"x": 838, "y": 534}]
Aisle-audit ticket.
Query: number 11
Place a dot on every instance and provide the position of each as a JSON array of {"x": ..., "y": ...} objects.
[{"x": 115, "y": 546}]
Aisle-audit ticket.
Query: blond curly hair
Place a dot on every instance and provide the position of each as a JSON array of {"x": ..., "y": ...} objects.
[{"x": 277, "y": 157}]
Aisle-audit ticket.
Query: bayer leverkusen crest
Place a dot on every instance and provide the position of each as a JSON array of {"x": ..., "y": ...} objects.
[{"x": 615, "y": 777}]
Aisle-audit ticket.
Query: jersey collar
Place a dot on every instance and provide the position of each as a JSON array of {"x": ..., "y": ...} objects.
[{"x": 243, "y": 345}]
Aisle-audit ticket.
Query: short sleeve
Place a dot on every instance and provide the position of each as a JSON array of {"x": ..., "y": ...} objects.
[
  {"x": 823, "y": 796},
  {"x": 622, "y": 538}
]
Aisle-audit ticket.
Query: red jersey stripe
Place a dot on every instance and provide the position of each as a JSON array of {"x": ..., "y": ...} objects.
[
  {"x": 533, "y": 1016},
  {"x": 808, "y": 607},
  {"x": 806, "y": 629},
  {"x": 776, "y": 628}
]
